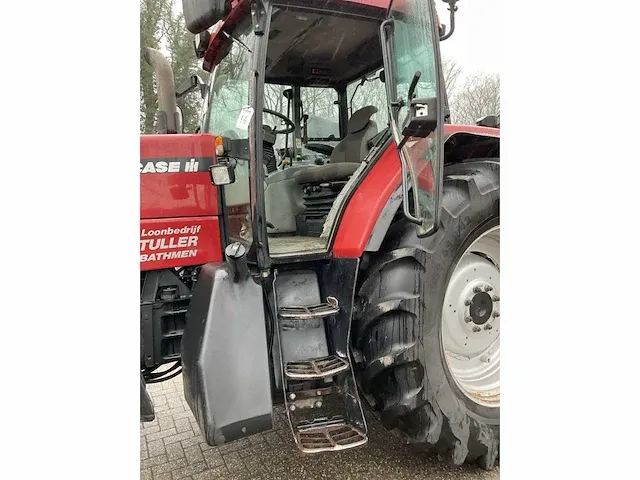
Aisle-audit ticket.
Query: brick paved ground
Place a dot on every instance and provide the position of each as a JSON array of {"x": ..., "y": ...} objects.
[{"x": 172, "y": 448}]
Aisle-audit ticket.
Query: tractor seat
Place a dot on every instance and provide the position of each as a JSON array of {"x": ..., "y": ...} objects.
[{"x": 348, "y": 154}]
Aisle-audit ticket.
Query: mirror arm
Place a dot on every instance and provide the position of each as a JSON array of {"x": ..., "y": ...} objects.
[{"x": 453, "y": 8}]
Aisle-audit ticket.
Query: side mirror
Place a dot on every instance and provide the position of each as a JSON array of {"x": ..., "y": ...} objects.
[
  {"x": 202, "y": 14},
  {"x": 190, "y": 84},
  {"x": 423, "y": 118},
  {"x": 201, "y": 43}
]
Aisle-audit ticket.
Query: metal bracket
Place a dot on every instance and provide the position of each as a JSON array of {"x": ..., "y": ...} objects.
[{"x": 258, "y": 16}]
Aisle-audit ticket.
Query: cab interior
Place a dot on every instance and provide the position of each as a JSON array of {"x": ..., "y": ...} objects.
[{"x": 324, "y": 110}]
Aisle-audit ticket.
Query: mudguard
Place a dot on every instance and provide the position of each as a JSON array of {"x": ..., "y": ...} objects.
[{"x": 224, "y": 357}]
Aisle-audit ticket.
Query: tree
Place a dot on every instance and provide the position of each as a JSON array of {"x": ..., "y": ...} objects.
[
  {"x": 478, "y": 96},
  {"x": 179, "y": 43},
  {"x": 152, "y": 12},
  {"x": 451, "y": 72}
]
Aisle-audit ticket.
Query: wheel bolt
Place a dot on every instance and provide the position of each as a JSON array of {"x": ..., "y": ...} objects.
[
  {"x": 495, "y": 314},
  {"x": 485, "y": 359},
  {"x": 292, "y": 396},
  {"x": 318, "y": 404},
  {"x": 468, "y": 319},
  {"x": 495, "y": 298},
  {"x": 488, "y": 288},
  {"x": 292, "y": 407},
  {"x": 476, "y": 329},
  {"x": 318, "y": 393},
  {"x": 467, "y": 302},
  {"x": 477, "y": 289},
  {"x": 488, "y": 326}
]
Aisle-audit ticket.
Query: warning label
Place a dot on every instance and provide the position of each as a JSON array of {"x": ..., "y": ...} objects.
[{"x": 169, "y": 243}]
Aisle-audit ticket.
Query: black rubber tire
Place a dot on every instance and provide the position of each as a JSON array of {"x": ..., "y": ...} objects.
[{"x": 397, "y": 332}]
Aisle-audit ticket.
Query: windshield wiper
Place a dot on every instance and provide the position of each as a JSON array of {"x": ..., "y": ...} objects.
[{"x": 234, "y": 39}]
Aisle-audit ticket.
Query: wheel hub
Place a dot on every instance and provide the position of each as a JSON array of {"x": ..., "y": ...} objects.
[
  {"x": 471, "y": 320},
  {"x": 481, "y": 308}
]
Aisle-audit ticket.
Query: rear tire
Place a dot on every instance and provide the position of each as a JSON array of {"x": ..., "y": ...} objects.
[{"x": 404, "y": 373}]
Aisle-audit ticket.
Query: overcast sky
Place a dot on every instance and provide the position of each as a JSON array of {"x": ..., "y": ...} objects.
[{"x": 475, "y": 44}]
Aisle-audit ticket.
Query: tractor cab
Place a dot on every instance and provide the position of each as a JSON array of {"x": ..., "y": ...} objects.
[{"x": 300, "y": 103}]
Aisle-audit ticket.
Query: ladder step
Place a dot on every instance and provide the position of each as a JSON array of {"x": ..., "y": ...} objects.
[
  {"x": 312, "y": 311},
  {"x": 316, "y": 367},
  {"x": 328, "y": 436}
]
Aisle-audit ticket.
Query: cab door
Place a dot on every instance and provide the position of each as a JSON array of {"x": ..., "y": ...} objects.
[{"x": 416, "y": 101}]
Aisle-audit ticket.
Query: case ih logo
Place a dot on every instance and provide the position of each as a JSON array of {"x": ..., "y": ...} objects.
[{"x": 175, "y": 165}]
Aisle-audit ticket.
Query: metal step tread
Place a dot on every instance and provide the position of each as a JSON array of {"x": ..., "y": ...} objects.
[
  {"x": 316, "y": 367},
  {"x": 328, "y": 436},
  {"x": 312, "y": 311}
]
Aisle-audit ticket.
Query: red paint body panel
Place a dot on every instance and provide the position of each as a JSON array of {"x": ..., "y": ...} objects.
[
  {"x": 177, "y": 242},
  {"x": 367, "y": 203},
  {"x": 476, "y": 129},
  {"x": 179, "y": 223},
  {"x": 179, "y": 194}
]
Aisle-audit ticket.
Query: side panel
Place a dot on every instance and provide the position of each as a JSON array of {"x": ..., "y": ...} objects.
[
  {"x": 179, "y": 207},
  {"x": 366, "y": 204},
  {"x": 174, "y": 177},
  {"x": 225, "y": 365},
  {"x": 179, "y": 242}
]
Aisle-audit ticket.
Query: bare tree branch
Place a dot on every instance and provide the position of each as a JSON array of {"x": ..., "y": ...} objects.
[{"x": 478, "y": 96}]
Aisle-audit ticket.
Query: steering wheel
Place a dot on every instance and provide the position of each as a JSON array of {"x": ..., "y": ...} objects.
[{"x": 284, "y": 118}]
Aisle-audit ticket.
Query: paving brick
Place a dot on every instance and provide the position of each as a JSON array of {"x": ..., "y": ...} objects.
[
  {"x": 167, "y": 466},
  {"x": 234, "y": 446},
  {"x": 252, "y": 450},
  {"x": 183, "y": 425},
  {"x": 163, "y": 476},
  {"x": 174, "y": 451},
  {"x": 194, "y": 455},
  {"x": 213, "y": 458},
  {"x": 254, "y": 465},
  {"x": 153, "y": 461},
  {"x": 233, "y": 462},
  {"x": 161, "y": 434},
  {"x": 188, "y": 470},
  {"x": 150, "y": 429},
  {"x": 273, "y": 439},
  {"x": 159, "y": 400},
  {"x": 172, "y": 412},
  {"x": 166, "y": 423},
  {"x": 218, "y": 472},
  {"x": 156, "y": 447},
  {"x": 162, "y": 408},
  {"x": 175, "y": 402},
  {"x": 190, "y": 442},
  {"x": 144, "y": 453},
  {"x": 185, "y": 413},
  {"x": 145, "y": 474},
  {"x": 178, "y": 437}
]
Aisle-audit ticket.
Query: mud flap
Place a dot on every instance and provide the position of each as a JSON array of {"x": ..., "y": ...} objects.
[
  {"x": 147, "y": 413},
  {"x": 224, "y": 357}
]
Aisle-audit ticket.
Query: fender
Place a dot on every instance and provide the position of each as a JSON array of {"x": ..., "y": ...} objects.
[{"x": 373, "y": 205}]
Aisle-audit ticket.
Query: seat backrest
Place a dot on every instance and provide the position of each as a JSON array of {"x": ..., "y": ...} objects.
[{"x": 353, "y": 147}]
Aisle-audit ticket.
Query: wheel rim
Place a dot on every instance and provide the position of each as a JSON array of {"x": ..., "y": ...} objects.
[{"x": 471, "y": 321}]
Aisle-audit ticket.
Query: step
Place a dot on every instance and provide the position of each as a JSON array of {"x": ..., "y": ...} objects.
[
  {"x": 324, "y": 435},
  {"x": 312, "y": 311},
  {"x": 316, "y": 368}
]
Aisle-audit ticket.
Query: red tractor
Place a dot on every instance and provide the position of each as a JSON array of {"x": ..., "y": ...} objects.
[{"x": 327, "y": 236}]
